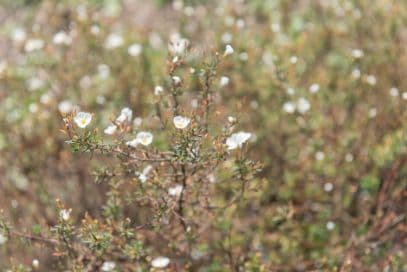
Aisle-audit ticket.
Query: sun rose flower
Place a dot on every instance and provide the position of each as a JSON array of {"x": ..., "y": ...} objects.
[
  {"x": 143, "y": 137},
  {"x": 125, "y": 114},
  {"x": 236, "y": 140},
  {"x": 160, "y": 262},
  {"x": 175, "y": 191},
  {"x": 228, "y": 50},
  {"x": 108, "y": 266},
  {"x": 65, "y": 214},
  {"x": 83, "y": 119},
  {"x": 181, "y": 122},
  {"x": 110, "y": 130}
]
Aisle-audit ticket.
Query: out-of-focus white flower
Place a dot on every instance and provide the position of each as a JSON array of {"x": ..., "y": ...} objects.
[
  {"x": 394, "y": 91},
  {"x": 231, "y": 119},
  {"x": 132, "y": 143},
  {"x": 227, "y": 37},
  {"x": 18, "y": 34},
  {"x": 125, "y": 115},
  {"x": 290, "y": 91},
  {"x": 349, "y": 157},
  {"x": 240, "y": 23},
  {"x": 95, "y": 29},
  {"x": 228, "y": 50},
  {"x": 83, "y": 119},
  {"x": 62, "y": 37},
  {"x": 103, "y": 71},
  {"x": 224, "y": 80},
  {"x": 65, "y": 107},
  {"x": 275, "y": 27},
  {"x": 372, "y": 112},
  {"x": 160, "y": 262},
  {"x": 176, "y": 80},
  {"x": 243, "y": 56},
  {"x": 35, "y": 263},
  {"x": 114, "y": 40},
  {"x": 319, "y": 156},
  {"x": 100, "y": 99},
  {"x": 3, "y": 239},
  {"x": 194, "y": 103},
  {"x": 46, "y": 98},
  {"x": 64, "y": 214},
  {"x": 314, "y": 88},
  {"x": 356, "y": 73},
  {"x": 189, "y": 11},
  {"x": 110, "y": 130},
  {"x": 371, "y": 80},
  {"x": 135, "y": 49},
  {"x": 155, "y": 40},
  {"x": 108, "y": 266},
  {"x": 158, "y": 90},
  {"x": 236, "y": 140},
  {"x": 177, "y": 46},
  {"x": 404, "y": 95},
  {"x": 330, "y": 225},
  {"x": 35, "y": 83},
  {"x": 328, "y": 187},
  {"x": 289, "y": 107},
  {"x": 176, "y": 190},
  {"x": 181, "y": 122},
  {"x": 144, "y": 138},
  {"x": 357, "y": 53},
  {"x": 137, "y": 121},
  {"x": 303, "y": 105},
  {"x": 293, "y": 59},
  {"x": 33, "y": 107},
  {"x": 33, "y": 45},
  {"x": 143, "y": 176}
]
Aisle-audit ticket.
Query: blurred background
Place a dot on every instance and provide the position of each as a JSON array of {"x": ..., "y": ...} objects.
[{"x": 320, "y": 83}]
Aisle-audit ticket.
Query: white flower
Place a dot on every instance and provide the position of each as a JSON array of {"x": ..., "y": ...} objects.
[
  {"x": 394, "y": 91},
  {"x": 64, "y": 214},
  {"x": 125, "y": 115},
  {"x": 330, "y": 225},
  {"x": 275, "y": 27},
  {"x": 95, "y": 29},
  {"x": 65, "y": 107},
  {"x": 293, "y": 59},
  {"x": 290, "y": 91},
  {"x": 135, "y": 49},
  {"x": 62, "y": 37},
  {"x": 231, "y": 119},
  {"x": 176, "y": 80},
  {"x": 357, "y": 53},
  {"x": 3, "y": 239},
  {"x": 289, "y": 107},
  {"x": 319, "y": 156},
  {"x": 303, "y": 105},
  {"x": 404, "y": 95},
  {"x": 143, "y": 176},
  {"x": 35, "y": 263},
  {"x": 371, "y": 80},
  {"x": 33, "y": 107},
  {"x": 372, "y": 112},
  {"x": 143, "y": 137},
  {"x": 35, "y": 83},
  {"x": 226, "y": 37},
  {"x": 160, "y": 262},
  {"x": 228, "y": 50},
  {"x": 237, "y": 139},
  {"x": 177, "y": 46},
  {"x": 110, "y": 130},
  {"x": 181, "y": 122},
  {"x": 176, "y": 190},
  {"x": 137, "y": 121},
  {"x": 314, "y": 88},
  {"x": 103, "y": 71},
  {"x": 33, "y": 44},
  {"x": 224, "y": 81},
  {"x": 83, "y": 119},
  {"x": 114, "y": 40},
  {"x": 18, "y": 34},
  {"x": 356, "y": 73},
  {"x": 158, "y": 90},
  {"x": 108, "y": 266},
  {"x": 349, "y": 157},
  {"x": 328, "y": 187}
]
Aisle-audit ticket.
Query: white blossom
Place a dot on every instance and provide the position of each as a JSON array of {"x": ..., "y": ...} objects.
[
  {"x": 231, "y": 119},
  {"x": 228, "y": 50},
  {"x": 319, "y": 156},
  {"x": 289, "y": 107},
  {"x": 176, "y": 80},
  {"x": 83, "y": 119},
  {"x": 135, "y": 49},
  {"x": 394, "y": 91},
  {"x": 110, "y": 130},
  {"x": 35, "y": 263},
  {"x": 95, "y": 29},
  {"x": 357, "y": 53},
  {"x": 328, "y": 187},
  {"x": 3, "y": 239},
  {"x": 144, "y": 137},
  {"x": 224, "y": 80},
  {"x": 226, "y": 37},
  {"x": 404, "y": 95},
  {"x": 160, "y": 262},
  {"x": 303, "y": 105},
  {"x": 18, "y": 34},
  {"x": 108, "y": 266},
  {"x": 158, "y": 90},
  {"x": 177, "y": 46},
  {"x": 330, "y": 225},
  {"x": 356, "y": 73},
  {"x": 65, "y": 107},
  {"x": 64, "y": 214},
  {"x": 33, "y": 45},
  {"x": 275, "y": 27},
  {"x": 126, "y": 114},
  {"x": 181, "y": 122},
  {"x": 114, "y": 40},
  {"x": 237, "y": 139},
  {"x": 103, "y": 71},
  {"x": 137, "y": 121},
  {"x": 293, "y": 59},
  {"x": 314, "y": 88},
  {"x": 176, "y": 190},
  {"x": 143, "y": 176},
  {"x": 62, "y": 37},
  {"x": 35, "y": 83},
  {"x": 371, "y": 80}
]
